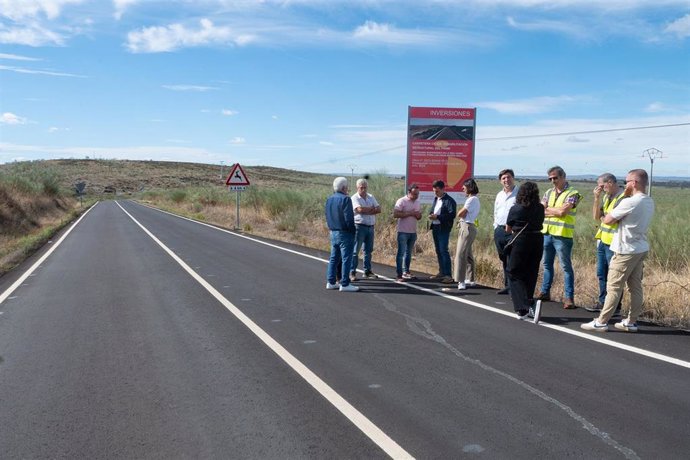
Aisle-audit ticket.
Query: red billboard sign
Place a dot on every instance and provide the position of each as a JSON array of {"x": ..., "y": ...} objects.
[{"x": 440, "y": 145}]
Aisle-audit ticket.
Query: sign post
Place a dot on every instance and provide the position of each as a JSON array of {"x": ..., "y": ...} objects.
[
  {"x": 79, "y": 188},
  {"x": 237, "y": 181}
]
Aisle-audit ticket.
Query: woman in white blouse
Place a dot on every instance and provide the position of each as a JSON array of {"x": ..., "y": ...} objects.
[{"x": 464, "y": 260}]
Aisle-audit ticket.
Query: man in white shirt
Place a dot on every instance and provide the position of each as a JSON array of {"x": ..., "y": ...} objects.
[
  {"x": 630, "y": 247},
  {"x": 365, "y": 207},
  {"x": 505, "y": 199}
]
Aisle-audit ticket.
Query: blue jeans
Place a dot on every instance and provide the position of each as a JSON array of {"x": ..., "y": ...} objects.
[
  {"x": 563, "y": 247},
  {"x": 406, "y": 243},
  {"x": 604, "y": 255},
  {"x": 363, "y": 237},
  {"x": 341, "y": 252},
  {"x": 441, "y": 240}
]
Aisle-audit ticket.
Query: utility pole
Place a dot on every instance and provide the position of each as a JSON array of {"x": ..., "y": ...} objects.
[
  {"x": 221, "y": 169},
  {"x": 652, "y": 154},
  {"x": 352, "y": 173}
]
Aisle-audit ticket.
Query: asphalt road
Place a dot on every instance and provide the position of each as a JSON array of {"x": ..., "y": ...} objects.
[{"x": 144, "y": 335}]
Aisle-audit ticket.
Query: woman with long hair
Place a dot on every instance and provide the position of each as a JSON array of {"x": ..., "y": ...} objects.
[
  {"x": 464, "y": 259},
  {"x": 525, "y": 221}
]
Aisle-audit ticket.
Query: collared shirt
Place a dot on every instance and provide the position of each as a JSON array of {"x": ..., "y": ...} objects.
[
  {"x": 504, "y": 201},
  {"x": 339, "y": 214},
  {"x": 365, "y": 202}
]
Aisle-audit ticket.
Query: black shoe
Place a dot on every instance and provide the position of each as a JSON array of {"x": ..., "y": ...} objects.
[{"x": 504, "y": 291}]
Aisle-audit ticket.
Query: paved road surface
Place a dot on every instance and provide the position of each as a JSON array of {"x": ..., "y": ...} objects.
[{"x": 226, "y": 347}]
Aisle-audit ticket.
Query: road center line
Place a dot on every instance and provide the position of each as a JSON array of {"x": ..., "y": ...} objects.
[
  {"x": 582, "y": 335},
  {"x": 373, "y": 432}
]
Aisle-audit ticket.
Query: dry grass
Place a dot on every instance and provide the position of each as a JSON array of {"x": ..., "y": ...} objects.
[{"x": 196, "y": 190}]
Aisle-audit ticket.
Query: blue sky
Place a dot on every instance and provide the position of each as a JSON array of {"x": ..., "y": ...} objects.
[{"x": 324, "y": 85}]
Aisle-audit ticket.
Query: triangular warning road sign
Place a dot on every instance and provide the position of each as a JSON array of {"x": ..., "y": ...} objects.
[{"x": 237, "y": 176}]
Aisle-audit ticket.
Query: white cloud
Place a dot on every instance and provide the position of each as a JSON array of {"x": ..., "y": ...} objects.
[
  {"x": 18, "y": 10},
  {"x": 31, "y": 35},
  {"x": 122, "y": 5},
  {"x": 679, "y": 27},
  {"x": 38, "y": 72},
  {"x": 17, "y": 57},
  {"x": 193, "y": 88},
  {"x": 238, "y": 140},
  {"x": 655, "y": 107},
  {"x": 175, "y": 36},
  {"x": 373, "y": 32},
  {"x": 326, "y": 143},
  {"x": 559, "y": 27},
  {"x": 9, "y": 118},
  {"x": 524, "y": 106},
  {"x": 576, "y": 139},
  {"x": 228, "y": 112}
]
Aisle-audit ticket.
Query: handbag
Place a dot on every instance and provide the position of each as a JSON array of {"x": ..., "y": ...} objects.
[{"x": 509, "y": 245}]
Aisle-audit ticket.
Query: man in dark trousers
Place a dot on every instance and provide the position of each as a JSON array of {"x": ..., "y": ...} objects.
[{"x": 442, "y": 214}]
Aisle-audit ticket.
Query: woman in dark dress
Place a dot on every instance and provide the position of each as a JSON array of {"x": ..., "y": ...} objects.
[{"x": 525, "y": 221}]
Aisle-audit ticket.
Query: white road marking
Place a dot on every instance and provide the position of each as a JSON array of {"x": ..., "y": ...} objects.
[
  {"x": 582, "y": 335},
  {"x": 373, "y": 432},
  {"x": 38, "y": 263}
]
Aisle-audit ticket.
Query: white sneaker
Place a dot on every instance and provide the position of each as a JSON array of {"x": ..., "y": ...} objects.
[
  {"x": 333, "y": 286},
  {"x": 537, "y": 312},
  {"x": 595, "y": 326},
  {"x": 626, "y": 326},
  {"x": 349, "y": 288},
  {"x": 469, "y": 283},
  {"x": 461, "y": 286}
]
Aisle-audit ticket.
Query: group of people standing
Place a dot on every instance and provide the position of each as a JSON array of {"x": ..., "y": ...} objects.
[{"x": 527, "y": 231}]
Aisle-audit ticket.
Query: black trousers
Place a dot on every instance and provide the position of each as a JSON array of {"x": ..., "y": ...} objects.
[
  {"x": 523, "y": 269},
  {"x": 500, "y": 240}
]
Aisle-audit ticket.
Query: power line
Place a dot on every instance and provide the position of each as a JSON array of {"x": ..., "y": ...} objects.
[
  {"x": 527, "y": 136},
  {"x": 611, "y": 130}
]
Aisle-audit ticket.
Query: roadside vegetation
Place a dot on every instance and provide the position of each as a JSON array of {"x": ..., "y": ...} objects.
[
  {"x": 294, "y": 213},
  {"x": 37, "y": 198},
  {"x": 33, "y": 207}
]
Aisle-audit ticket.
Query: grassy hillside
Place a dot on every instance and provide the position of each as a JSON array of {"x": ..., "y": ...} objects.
[{"x": 127, "y": 177}]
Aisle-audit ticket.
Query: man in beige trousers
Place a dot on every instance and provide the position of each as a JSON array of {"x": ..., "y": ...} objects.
[{"x": 630, "y": 247}]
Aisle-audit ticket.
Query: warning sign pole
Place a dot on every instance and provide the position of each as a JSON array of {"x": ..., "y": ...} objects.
[
  {"x": 237, "y": 210},
  {"x": 237, "y": 181}
]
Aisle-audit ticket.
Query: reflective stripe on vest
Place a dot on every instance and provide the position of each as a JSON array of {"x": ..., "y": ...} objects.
[
  {"x": 606, "y": 231},
  {"x": 560, "y": 226}
]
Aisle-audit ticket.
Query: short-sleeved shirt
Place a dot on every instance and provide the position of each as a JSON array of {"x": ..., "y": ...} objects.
[
  {"x": 367, "y": 201},
  {"x": 634, "y": 214},
  {"x": 407, "y": 224},
  {"x": 472, "y": 206}
]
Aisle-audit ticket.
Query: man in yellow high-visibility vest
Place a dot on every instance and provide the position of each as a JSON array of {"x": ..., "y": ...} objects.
[
  {"x": 607, "y": 195},
  {"x": 560, "y": 208},
  {"x": 630, "y": 248}
]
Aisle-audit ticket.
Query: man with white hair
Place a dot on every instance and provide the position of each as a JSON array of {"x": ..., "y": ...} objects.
[
  {"x": 341, "y": 223},
  {"x": 365, "y": 207}
]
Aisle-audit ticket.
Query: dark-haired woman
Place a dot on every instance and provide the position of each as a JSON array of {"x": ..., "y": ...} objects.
[
  {"x": 525, "y": 221},
  {"x": 467, "y": 232}
]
